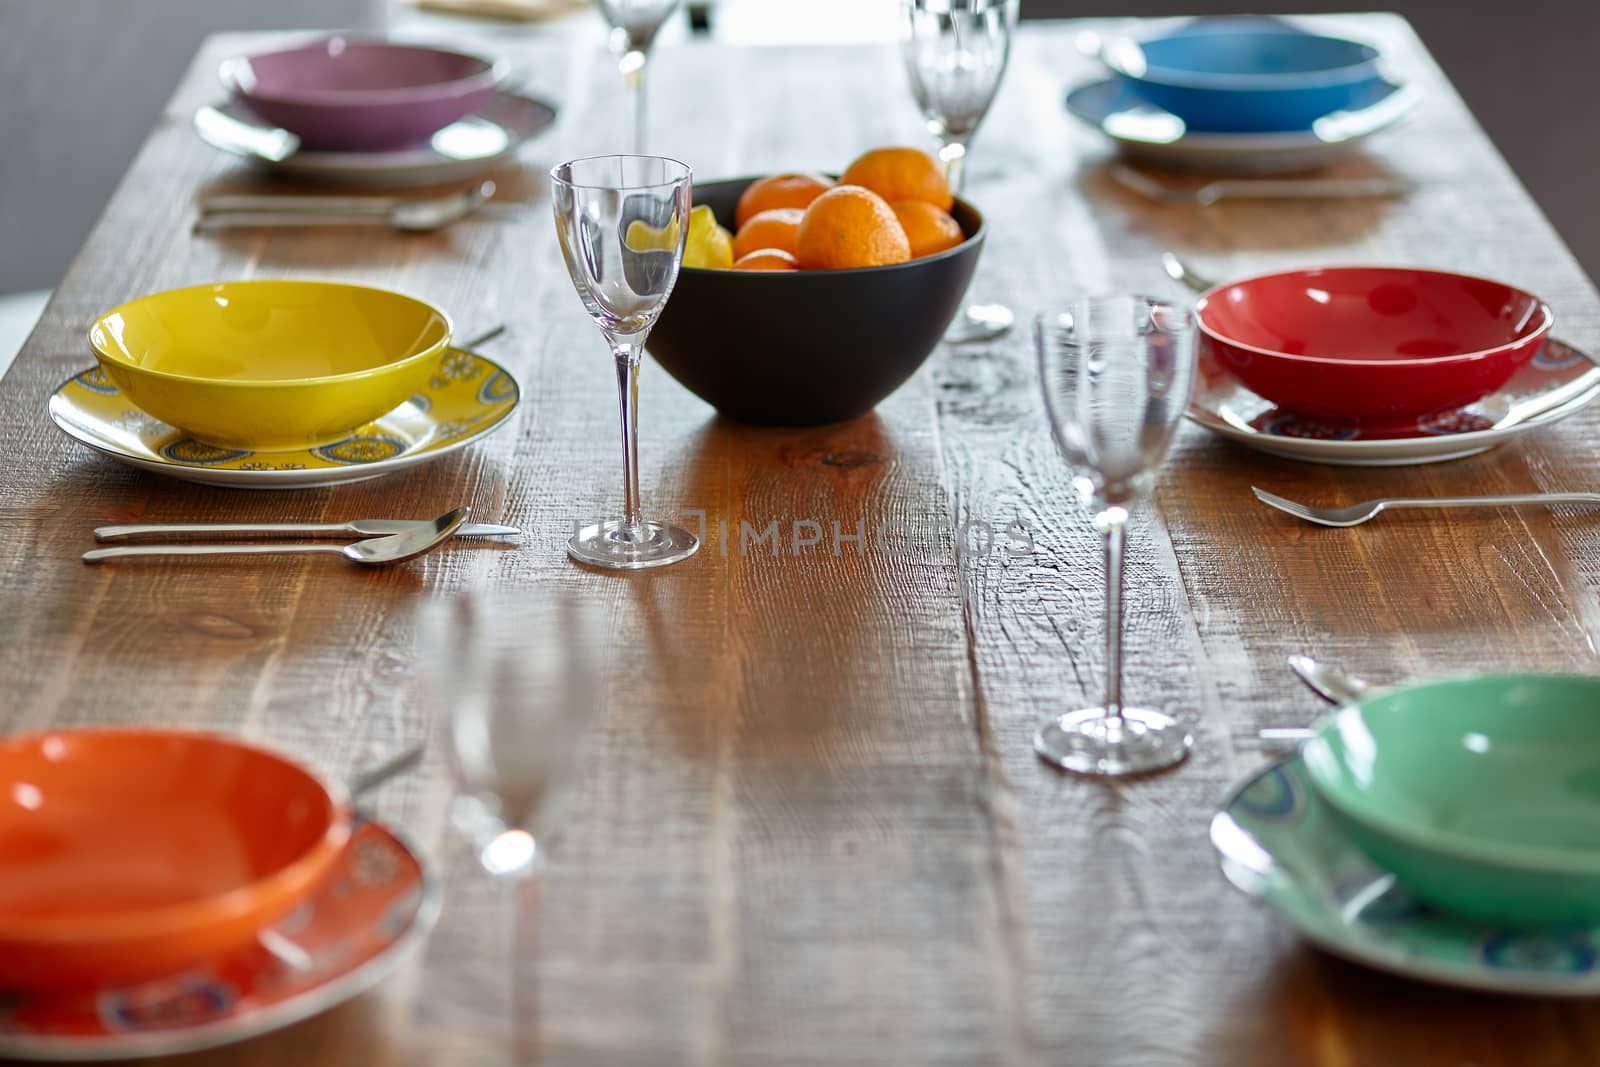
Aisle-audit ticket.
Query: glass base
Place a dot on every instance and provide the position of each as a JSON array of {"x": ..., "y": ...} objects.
[
  {"x": 1086, "y": 742},
  {"x": 613, "y": 545},
  {"x": 979, "y": 322}
]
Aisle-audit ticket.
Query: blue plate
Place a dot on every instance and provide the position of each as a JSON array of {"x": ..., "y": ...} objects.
[
  {"x": 1159, "y": 137},
  {"x": 1278, "y": 844},
  {"x": 1246, "y": 75}
]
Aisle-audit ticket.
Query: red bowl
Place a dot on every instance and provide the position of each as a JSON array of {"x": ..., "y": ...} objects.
[
  {"x": 134, "y": 853},
  {"x": 1356, "y": 344}
]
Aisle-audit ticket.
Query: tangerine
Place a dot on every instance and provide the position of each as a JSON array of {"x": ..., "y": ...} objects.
[
  {"x": 773, "y": 228},
  {"x": 779, "y": 190},
  {"x": 901, "y": 174},
  {"x": 766, "y": 259},
  {"x": 927, "y": 228},
  {"x": 849, "y": 226}
]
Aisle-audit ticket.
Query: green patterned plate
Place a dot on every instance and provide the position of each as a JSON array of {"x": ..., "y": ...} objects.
[
  {"x": 469, "y": 396},
  {"x": 1279, "y": 845}
]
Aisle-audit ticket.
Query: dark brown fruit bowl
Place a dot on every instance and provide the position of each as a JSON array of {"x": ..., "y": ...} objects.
[{"x": 802, "y": 348}]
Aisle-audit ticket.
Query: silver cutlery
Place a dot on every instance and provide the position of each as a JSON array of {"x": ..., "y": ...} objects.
[
  {"x": 401, "y": 213},
  {"x": 369, "y": 779},
  {"x": 1328, "y": 682},
  {"x": 376, "y": 551},
  {"x": 1286, "y": 734},
  {"x": 286, "y": 949},
  {"x": 485, "y": 337},
  {"x": 356, "y": 527},
  {"x": 1356, "y": 514},
  {"x": 1180, "y": 272},
  {"x": 1256, "y": 188}
]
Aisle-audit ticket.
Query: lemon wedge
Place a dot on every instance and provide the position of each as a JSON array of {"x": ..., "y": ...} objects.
[{"x": 709, "y": 246}]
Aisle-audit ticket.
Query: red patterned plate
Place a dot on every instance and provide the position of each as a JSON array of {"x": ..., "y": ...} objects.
[
  {"x": 1558, "y": 381},
  {"x": 380, "y": 901}
]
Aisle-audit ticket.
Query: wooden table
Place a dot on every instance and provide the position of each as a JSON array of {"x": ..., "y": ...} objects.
[{"x": 811, "y": 829}]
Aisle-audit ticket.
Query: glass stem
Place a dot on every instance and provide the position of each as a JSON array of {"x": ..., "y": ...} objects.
[
  {"x": 527, "y": 1036},
  {"x": 1112, "y": 528},
  {"x": 627, "y": 357},
  {"x": 632, "y": 66},
  {"x": 953, "y": 154}
]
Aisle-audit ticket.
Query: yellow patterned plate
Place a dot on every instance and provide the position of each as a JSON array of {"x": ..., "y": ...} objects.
[{"x": 467, "y": 397}]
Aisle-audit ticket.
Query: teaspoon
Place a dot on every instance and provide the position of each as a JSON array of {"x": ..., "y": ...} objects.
[
  {"x": 1179, "y": 272},
  {"x": 1328, "y": 682}
]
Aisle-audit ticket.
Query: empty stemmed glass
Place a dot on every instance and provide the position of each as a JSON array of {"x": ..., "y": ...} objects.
[
  {"x": 1117, "y": 373},
  {"x": 955, "y": 53},
  {"x": 513, "y": 684},
  {"x": 622, "y": 221},
  {"x": 634, "y": 25}
]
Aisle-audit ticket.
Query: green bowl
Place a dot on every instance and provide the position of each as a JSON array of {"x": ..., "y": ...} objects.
[{"x": 1481, "y": 794}]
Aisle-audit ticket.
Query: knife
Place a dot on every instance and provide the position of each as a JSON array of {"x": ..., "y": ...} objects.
[{"x": 358, "y": 527}]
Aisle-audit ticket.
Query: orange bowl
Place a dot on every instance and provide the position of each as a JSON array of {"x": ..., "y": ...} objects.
[{"x": 132, "y": 853}]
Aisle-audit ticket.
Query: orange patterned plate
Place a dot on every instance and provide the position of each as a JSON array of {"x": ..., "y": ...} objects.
[{"x": 380, "y": 902}]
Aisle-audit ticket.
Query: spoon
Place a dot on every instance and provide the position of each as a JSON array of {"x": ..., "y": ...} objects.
[
  {"x": 285, "y": 948},
  {"x": 1328, "y": 682},
  {"x": 369, "y": 779},
  {"x": 375, "y": 551},
  {"x": 402, "y": 213},
  {"x": 1179, "y": 272}
]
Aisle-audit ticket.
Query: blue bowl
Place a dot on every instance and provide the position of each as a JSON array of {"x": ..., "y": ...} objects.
[{"x": 1263, "y": 79}]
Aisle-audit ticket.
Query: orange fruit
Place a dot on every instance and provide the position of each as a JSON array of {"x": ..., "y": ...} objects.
[
  {"x": 901, "y": 174},
  {"x": 849, "y": 226},
  {"x": 766, "y": 259},
  {"x": 779, "y": 190},
  {"x": 773, "y": 228},
  {"x": 927, "y": 228}
]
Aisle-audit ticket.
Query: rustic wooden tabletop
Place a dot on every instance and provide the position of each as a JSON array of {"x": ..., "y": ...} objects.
[{"x": 811, "y": 829}]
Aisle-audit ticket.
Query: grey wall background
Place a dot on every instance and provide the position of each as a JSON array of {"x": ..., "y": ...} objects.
[{"x": 81, "y": 82}]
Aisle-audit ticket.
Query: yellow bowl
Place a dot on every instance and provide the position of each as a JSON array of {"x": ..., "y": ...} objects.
[{"x": 265, "y": 365}]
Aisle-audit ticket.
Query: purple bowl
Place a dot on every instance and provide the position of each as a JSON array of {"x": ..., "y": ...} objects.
[{"x": 346, "y": 94}]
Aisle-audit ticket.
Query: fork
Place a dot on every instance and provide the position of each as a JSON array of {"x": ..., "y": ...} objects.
[
  {"x": 1356, "y": 514},
  {"x": 1256, "y": 188}
]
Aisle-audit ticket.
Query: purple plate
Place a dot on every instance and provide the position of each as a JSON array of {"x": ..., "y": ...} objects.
[{"x": 355, "y": 95}]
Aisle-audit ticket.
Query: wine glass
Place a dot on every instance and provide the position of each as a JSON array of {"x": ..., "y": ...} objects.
[
  {"x": 955, "y": 54},
  {"x": 622, "y": 221},
  {"x": 514, "y": 684},
  {"x": 1117, "y": 373},
  {"x": 634, "y": 25}
]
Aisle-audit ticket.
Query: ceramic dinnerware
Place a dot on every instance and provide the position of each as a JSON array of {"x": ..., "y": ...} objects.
[
  {"x": 1371, "y": 344},
  {"x": 1481, "y": 794},
  {"x": 1244, "y": 76},
  {"x": 463, "y": 150},
  {"x": 466, "y": 398},
  {"x": 270, "y": 365},
  {"x": 1152, "y": 137},
  {"x": 349, "y": 94},
  {"x": 131, "y": 853},
  {"x": 1278, "y": 844},
  {"x": 799, "y": 348},
  {"x": 376, "y": 906},
  {"x": 1559, "y": 381}
]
